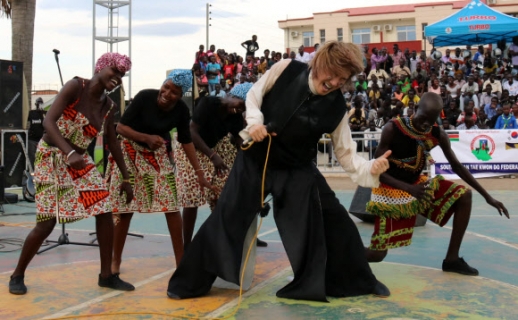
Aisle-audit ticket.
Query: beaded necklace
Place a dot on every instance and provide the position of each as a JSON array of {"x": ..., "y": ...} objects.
[
  {"x": 424, "y": 142},
  {"x": 409, "y": 122}
]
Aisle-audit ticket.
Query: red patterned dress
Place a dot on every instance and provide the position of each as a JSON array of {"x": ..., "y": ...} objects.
[
  {"x": 61, "y": 191},
  {"x": 396, "y": 210},
  {"x": 151, "y": 171}
]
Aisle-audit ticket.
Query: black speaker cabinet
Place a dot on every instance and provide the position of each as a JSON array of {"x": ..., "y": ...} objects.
[
  {"x": 188, "y": 99},
  {"x": 2, "y": 185},
  {"x": 359, "y": 204},
  {"x": 11, "y": 94},
  {"x": 5, "y": 198},
  {"x": 13, "y": 156}
]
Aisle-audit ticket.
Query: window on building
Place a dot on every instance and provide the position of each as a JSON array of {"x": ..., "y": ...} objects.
[
  {"x": 322, "y": 36},
  {"x": 361, "y": 35},
  {"x": 340, "y": 34},
  {"x": 406, "y": 33},
  {"x": 308, "y": 39},
  {"x": 423, "y": 25}
]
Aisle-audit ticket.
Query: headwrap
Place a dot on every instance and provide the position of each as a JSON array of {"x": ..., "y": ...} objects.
[
  {"x": 240, "y": 90},
  {"x": 181, "y": 78},
  {"x": 113, "y": 59}
]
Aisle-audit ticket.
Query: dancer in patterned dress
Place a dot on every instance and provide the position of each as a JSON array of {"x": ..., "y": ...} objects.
[
  {"x": 213, "y": 120},
  {"x": 144, "y": 128},
  {"x": 68, "y": 185},
  {"x": 404, "y": 192}
]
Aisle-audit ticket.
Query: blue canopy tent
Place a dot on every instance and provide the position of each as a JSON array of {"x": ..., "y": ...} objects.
[{"x": 475, "y": 24}]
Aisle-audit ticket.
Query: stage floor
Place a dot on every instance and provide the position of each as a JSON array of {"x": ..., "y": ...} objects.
[{"x": 62, "y": 283}]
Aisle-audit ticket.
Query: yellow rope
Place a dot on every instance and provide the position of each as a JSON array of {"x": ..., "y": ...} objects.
[
  {"x": 264, "y": 168},
  {"x": 236, "y": 309}
]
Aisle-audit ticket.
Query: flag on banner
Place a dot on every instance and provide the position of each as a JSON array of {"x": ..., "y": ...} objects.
[
  {"x": 509, "y": 145},
  {"x": 454, "y": 136}
]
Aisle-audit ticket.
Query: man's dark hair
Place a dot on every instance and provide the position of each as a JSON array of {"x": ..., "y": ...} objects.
[{"x": 395, "y": 112}]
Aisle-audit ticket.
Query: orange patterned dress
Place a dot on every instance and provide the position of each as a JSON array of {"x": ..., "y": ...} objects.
[{"x": 61, "y": 191}]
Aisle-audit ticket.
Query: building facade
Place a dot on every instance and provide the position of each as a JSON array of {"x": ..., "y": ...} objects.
[{"x": 377, "y": 26}]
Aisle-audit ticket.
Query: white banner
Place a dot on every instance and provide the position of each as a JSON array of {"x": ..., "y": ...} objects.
[{"x": 485, "y": 153}]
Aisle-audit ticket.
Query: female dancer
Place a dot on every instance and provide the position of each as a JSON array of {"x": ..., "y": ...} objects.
[
  {"x": 69, "y": 187},
  {"x": 145, "y": 128},
  {"x": 213, "y": 120}
]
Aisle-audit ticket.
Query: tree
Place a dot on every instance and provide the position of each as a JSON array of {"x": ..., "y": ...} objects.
[
  {"x": 5, "y": 8},
  {"x": 22, "y": 14}
]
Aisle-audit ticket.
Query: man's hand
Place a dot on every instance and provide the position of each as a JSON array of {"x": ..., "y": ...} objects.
[
  {"x": 219, "y": 166},
  {"x": 499, "y": 206},
  {"x": 258, "y": 132},
  {"x": 381, "y": 164},
  {"x": 126, "y": 187},
  {"x": 419, "y": 191},
  {"x": 154, "y": 142}
]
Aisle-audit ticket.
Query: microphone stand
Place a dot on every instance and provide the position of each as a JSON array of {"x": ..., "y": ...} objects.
[
  {"x": 63, "y": 238},
  {"x": 56, "y": 52}
]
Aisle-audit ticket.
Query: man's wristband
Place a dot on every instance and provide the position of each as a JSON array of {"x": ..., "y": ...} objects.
[{"x": 212, "y": 155}]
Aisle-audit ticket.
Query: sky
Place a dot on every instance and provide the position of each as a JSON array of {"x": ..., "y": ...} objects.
[{"x": 165, "y": 33}]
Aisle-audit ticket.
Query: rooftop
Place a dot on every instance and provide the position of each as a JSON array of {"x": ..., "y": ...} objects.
[{"x": 388, "y": 9}]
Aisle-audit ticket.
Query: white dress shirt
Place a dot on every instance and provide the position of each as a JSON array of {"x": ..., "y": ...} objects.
[
  {"x": 304, "y": 58},
  {"x": 497, "y": 85},
  {"x": 356, "y": 166},
  {"x": 512, "y": 88},
  {"x": 371, "y": 136},
  {"x": 312, "y": 55},
  {"x": 469, "y": 88}
]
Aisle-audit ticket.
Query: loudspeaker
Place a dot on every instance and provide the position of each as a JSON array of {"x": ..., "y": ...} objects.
[
  {"x": 117, "y": 96},
  {"x": 11, "y": 94},
  {"x": 189, "y": 101},
  {"x": 358, "y": 205},
  {"x": 13, "y": 157},
  {"x": 361, "y": 197},
  {"x": 2, "y": 185}
]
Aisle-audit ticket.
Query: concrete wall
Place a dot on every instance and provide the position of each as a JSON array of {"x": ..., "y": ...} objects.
[{"x": 331, "y": 21}]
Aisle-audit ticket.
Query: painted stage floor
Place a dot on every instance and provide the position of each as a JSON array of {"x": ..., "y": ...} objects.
[{"x": 62, "y": 282}]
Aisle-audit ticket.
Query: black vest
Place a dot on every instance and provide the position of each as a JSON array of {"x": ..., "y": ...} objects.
[{"x": 298, "y": 117}]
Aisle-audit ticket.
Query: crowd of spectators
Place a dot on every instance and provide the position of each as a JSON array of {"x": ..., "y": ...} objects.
[
  {"x": 478, "y": 88},
  {"x": 217, "y": 71}
]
